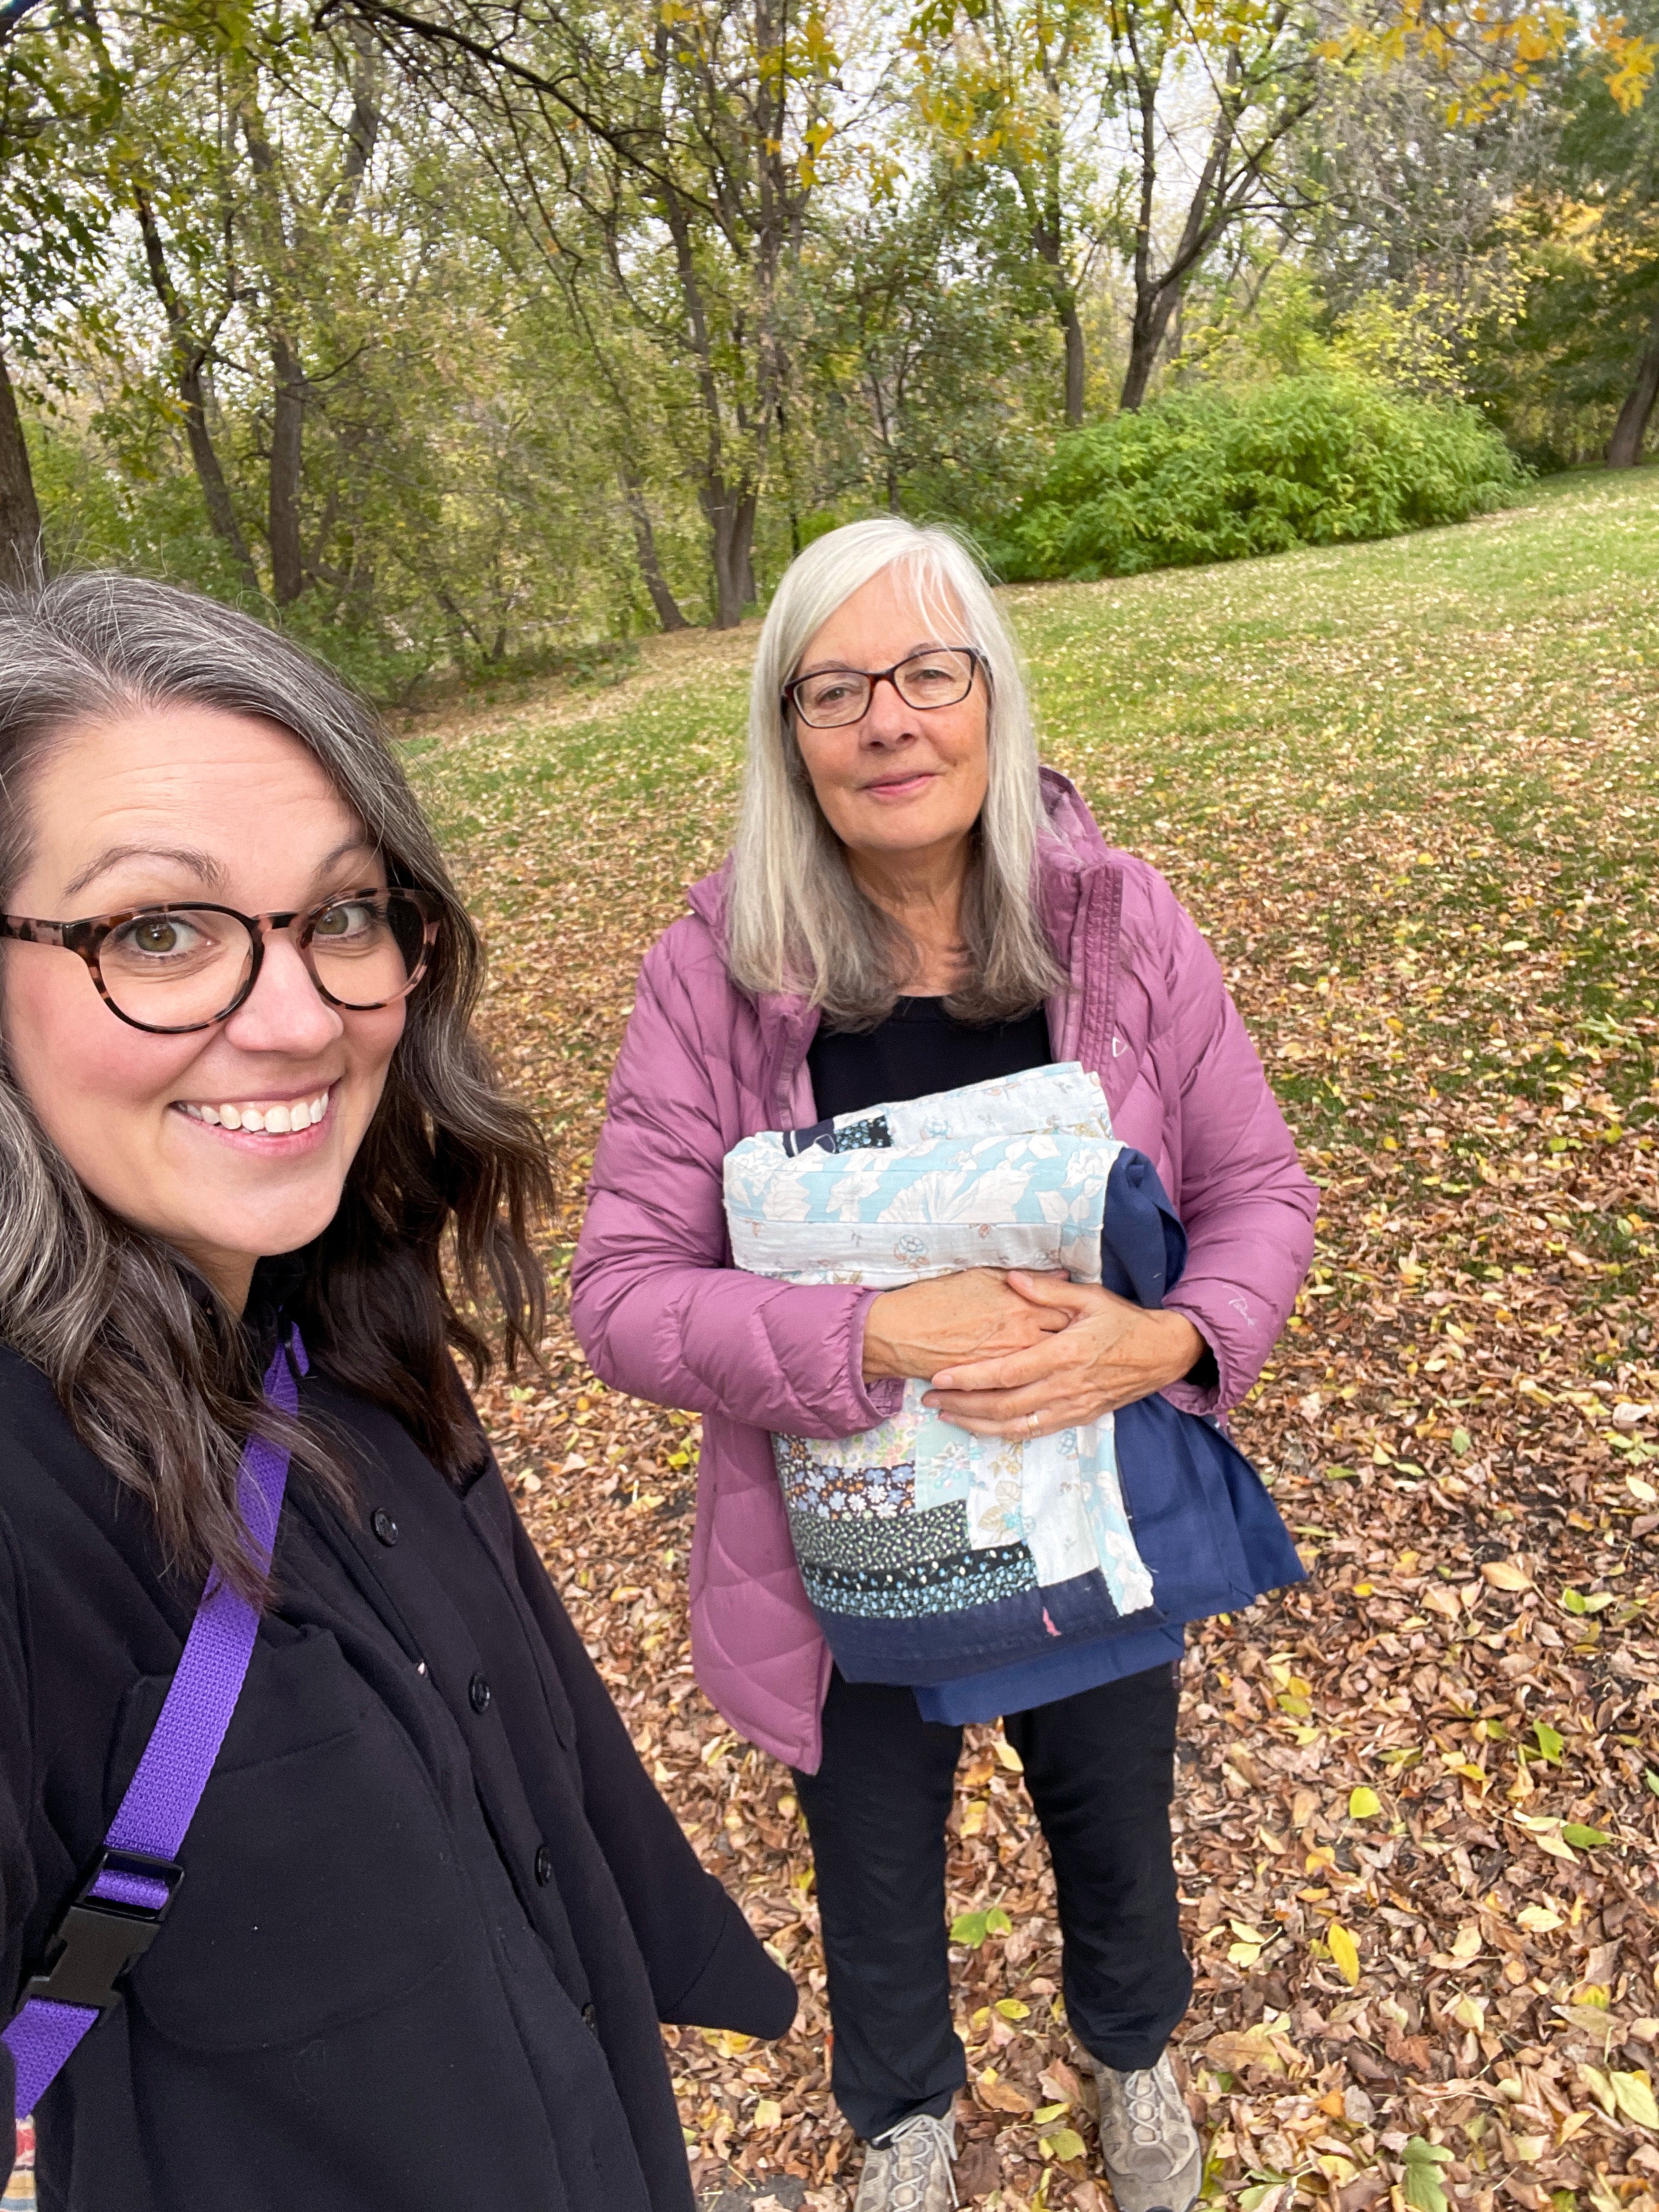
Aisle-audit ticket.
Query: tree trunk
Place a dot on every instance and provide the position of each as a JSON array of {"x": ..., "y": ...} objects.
[
  {"x": 1624, "y": 447},
  {"x": 731, "y": 527},
  {"x": 288, "y": 571},
  {"x": 189, "y": 361},
  {"x": 22, "y": 557},
  {"x": 1046, "y": 236},
  {"x": 644, "y": 546},
  {"x": 1152, "y": 319},
  {"x": 1070, "y": 323}
]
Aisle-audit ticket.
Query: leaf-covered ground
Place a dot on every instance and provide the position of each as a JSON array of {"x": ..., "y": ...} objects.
[{"x": 1409, "y": 791}]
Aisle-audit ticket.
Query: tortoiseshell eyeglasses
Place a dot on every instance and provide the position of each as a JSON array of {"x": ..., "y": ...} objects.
[{"x": 176, "y": 968}]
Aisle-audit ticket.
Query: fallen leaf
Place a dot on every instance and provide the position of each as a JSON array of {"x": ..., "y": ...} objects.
[
  {"x": 1345, "y": 1951},
  {"x": 1541, "y": 1919},
  {"x": 1506, "y": 1575},
  {"x": 1633, "y": 2093}
]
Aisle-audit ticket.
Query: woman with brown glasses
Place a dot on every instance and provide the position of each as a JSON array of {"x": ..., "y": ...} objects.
[{"x": 328, "y": 1875}]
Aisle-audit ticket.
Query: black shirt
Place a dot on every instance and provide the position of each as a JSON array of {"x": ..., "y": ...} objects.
[
  {"x": 917, "y": 1050},
  {"x": 433, "y": 1907}
]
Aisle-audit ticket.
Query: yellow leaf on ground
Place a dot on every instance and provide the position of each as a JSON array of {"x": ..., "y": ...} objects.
[
  {"x": 1599, "y": 2086},
  {"x": 1345, "y": 1951},
  {"x": 1633, "y": 2093},
  {"x": 1506, "y": 1575},
  {"x": 1363, "y": 1804}
]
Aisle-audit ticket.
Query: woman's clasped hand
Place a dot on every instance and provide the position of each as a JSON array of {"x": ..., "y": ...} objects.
[{"x": 1020, "y": 1355}]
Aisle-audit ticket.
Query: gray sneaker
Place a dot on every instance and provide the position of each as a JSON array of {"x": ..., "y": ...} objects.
[
  {"x": 1148, "y": 2144},
  {"x": 909, "y": 2168}
]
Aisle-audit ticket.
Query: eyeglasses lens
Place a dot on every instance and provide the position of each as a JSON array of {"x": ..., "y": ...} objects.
[
  {"x": 181, "y": 969},
  {"x": 826, "y": 702},
  {"x": 365, "y": 950},
  {"x": 935, "y": 679},
  {"x": 175, "y": 971}
]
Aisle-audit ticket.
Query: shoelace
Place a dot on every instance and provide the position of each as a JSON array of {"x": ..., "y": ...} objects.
[
  {"x": 918, "y": 2141},
  {"x": 1140, "y": 2097}
]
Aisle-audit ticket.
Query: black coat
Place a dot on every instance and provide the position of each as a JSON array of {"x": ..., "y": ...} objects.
[{"x": 433, "y": 1907}]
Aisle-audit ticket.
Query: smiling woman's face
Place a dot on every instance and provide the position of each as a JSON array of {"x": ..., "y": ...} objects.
[
  {"x": 905, "y": 780},
  {"x": 189, "y": 803}
]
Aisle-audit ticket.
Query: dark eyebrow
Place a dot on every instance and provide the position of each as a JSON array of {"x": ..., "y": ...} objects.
[{"x": 200, "y": 865}]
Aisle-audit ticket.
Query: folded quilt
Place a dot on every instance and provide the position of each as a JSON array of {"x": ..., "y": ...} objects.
[{"x": 927, "y": 1553}]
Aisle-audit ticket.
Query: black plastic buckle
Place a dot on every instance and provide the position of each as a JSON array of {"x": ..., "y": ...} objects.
[{"x": 98, "y": 1938}]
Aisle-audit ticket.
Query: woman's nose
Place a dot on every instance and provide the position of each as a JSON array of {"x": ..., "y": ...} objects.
[
  {"x": 284, "y": 1012},
  {"x": 887, "y": 717}
]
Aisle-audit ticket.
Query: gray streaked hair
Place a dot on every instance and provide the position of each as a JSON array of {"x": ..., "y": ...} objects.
[
  {"x": 796, "y": 918},
  {"x": 155, "y": 1372}
]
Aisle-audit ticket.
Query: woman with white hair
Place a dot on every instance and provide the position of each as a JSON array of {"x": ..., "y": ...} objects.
[{"x": 914, "y": 906}]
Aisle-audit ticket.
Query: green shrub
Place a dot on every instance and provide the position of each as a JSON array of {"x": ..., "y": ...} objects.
[{"x": 1217, "y": 474}]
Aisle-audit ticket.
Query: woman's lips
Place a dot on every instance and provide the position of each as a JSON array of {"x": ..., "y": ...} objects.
[{"x": 899, "y": 786}]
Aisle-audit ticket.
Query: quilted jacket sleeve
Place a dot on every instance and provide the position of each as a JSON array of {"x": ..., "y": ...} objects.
[
  {"x": 1247, "y": 1205},
  {"x": 657, "y": 1308}
]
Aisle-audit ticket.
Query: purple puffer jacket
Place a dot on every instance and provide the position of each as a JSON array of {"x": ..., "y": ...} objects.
[{"x": 661, "y": 1312}]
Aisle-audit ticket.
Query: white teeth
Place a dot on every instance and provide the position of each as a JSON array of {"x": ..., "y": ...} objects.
[{"x": 280, "y": 1120}]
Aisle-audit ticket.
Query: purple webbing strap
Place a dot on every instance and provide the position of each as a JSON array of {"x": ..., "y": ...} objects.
[{"x": 161, "y": 1798}]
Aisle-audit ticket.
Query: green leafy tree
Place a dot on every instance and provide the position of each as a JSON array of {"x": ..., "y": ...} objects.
[
  {"x": 57, "y": 96},
  {"x": 673, "y": 147},
  {"x": 1158, "y": 126}
]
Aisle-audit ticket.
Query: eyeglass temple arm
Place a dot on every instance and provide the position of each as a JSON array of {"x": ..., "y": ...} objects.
[{"x": 27, "y": 932}]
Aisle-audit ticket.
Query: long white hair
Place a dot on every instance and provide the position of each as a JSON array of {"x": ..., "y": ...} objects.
[{"x": 796, "y": 919}]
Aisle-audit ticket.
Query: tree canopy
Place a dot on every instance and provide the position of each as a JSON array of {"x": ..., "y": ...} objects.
[{"x": 472, "y": 330}]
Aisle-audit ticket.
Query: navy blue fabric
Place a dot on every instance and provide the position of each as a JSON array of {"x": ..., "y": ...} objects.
[
  {"x": 939, "y": 1647},
  {"x": 1209, "y": 1534},
  {"x": 1067, "y": 1671}
]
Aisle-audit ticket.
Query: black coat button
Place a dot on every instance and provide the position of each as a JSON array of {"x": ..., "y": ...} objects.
[
  {"x": 478, "y": 1692},
  {"x": 590, "y": 2020},
  {"x": 383, "y": 1525},
  {"x": 543, "y": 1866}
]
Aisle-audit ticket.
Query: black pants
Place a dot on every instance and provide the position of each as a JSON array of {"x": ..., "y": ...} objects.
[{"x": 1100, "y": 1769}]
